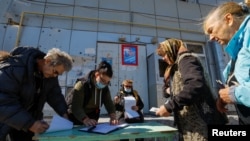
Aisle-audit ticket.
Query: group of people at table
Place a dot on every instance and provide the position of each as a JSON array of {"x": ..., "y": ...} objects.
[{"x": 28, "y": 79}]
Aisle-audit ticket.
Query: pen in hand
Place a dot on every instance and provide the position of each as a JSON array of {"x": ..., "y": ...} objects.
[{"x": 220, "y": 84}]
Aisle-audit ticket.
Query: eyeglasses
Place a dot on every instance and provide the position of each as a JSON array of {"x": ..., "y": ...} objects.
[{"x": 127, "y": 86}]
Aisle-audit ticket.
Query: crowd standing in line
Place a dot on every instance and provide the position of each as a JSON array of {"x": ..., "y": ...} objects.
[{"x": 33, "y": 78}]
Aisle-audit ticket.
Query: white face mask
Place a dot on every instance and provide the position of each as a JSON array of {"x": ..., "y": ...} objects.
[{"x": 127, "y": 90}]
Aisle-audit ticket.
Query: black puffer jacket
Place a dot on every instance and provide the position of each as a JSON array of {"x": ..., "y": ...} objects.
[{"x": 20, "y": 105}]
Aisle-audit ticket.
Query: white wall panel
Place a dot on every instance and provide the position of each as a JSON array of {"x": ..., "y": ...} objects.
[
  {"x": 222, "y": 1},
  {"x": 167, "y": 22},
  {"x": 141, "y": 39},
  {"x": 17, "y": 7},
  {"x": 10, "y": 38},
  {"x": 188, "y": 10},
  {"x": 169, "y": 33},
  {"x": 29, "y": 36},
  {"x": 2, "y": 31},
  {"x": 166, "y": 8},
  {"x": 85, "y": 24},
  {"x": 83, "y": 51},
  {"x": 115, "y": 4},
  {"x": 142, "y": 6},
  {"x": 208, "y": 2},
  {"x": 91, "y": 3},
  {"x": 144, "y": 22},
  {"x": 114, "y": 26},
  {"x": 56, "y": 21},
  {"x": 110, "y": 37},
  {"x": 82, "y": 40},
  {"x": 205, "y": 9},
  {"x": 4, "y": 7},
  {"x": 71, "y": 2},
  {"x": 34, "y": 20},
  {"x": 167, "y": 27},
  {"x": 55, "y": 37},
  {"x": 193, "y": 37},
  {"x": 191, "y": 25},
  {"x": 41, "y": 1}
]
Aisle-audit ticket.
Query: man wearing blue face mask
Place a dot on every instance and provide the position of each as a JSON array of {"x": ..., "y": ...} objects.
[{"x": 89, "y": 93}]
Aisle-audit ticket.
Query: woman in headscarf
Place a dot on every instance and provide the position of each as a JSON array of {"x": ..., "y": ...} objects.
[{"x": 191, "y": 99}]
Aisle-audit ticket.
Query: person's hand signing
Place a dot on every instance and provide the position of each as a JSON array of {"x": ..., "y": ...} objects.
[
  {"x": 113, "y": 120},
  {"x": 39, "y": 127},
  {"x": 89, "y": 122}
]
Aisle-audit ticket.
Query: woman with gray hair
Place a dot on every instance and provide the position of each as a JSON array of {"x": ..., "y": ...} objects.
[
  {"x": 228, "y": 25},
  {"x": 28, "y": 79}
]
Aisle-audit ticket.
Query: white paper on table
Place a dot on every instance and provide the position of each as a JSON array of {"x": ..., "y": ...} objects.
[
  {"x": 154, "y": 109},
  {"x": 105, "y": 128},
  {"x": 129, "y": 102},
  {"x": 59, "y": 123}
]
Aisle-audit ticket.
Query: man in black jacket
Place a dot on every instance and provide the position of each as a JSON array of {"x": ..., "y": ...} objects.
[{"x": 28, "y": 79}]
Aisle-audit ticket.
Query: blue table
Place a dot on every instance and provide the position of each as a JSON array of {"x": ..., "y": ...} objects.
[{"x": 147, "y": 129}]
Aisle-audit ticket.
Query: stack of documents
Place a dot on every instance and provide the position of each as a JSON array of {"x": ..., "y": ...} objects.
[{"x": 129, "y": 102}]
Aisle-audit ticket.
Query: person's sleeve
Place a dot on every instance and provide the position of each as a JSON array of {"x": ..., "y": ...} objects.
[
  {"x": 231, "y": 94},
  {"x": 242, "y": 91},
  {"x": 56, "y": 99},
  {"x": 242, "y": 95},
  {"x": 193, "y": 84},
  {"x": 77, "y": 101},
  {"x": 108, "y": 103},
  {"x": 119, "y": 106},
  {"x": 226, "y": 71},
  {"x": 164, "y": 89},
  {"x": 12, "y": 112},
  {"x": 139, "y": 103}
]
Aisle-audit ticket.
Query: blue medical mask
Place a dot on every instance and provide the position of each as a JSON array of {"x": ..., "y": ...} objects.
[
  {"x": 128, "y": 90},
  {"x": 99, "y": 85}
]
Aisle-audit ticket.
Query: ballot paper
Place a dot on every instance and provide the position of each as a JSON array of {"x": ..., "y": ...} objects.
[
  {"x": 154, "y": 109},
  {"x": 104, "y": 128},
  {"x": 129, "y": 102},
  {"x": 59, "y": 123}
]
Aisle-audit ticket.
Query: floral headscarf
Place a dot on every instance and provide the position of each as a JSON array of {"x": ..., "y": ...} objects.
[{"x": 169, "y": 47}]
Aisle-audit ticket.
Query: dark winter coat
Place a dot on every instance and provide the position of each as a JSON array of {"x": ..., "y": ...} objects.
[
  {"x": 20, "y": 102},
  {"x": 191, "y": 99}
]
